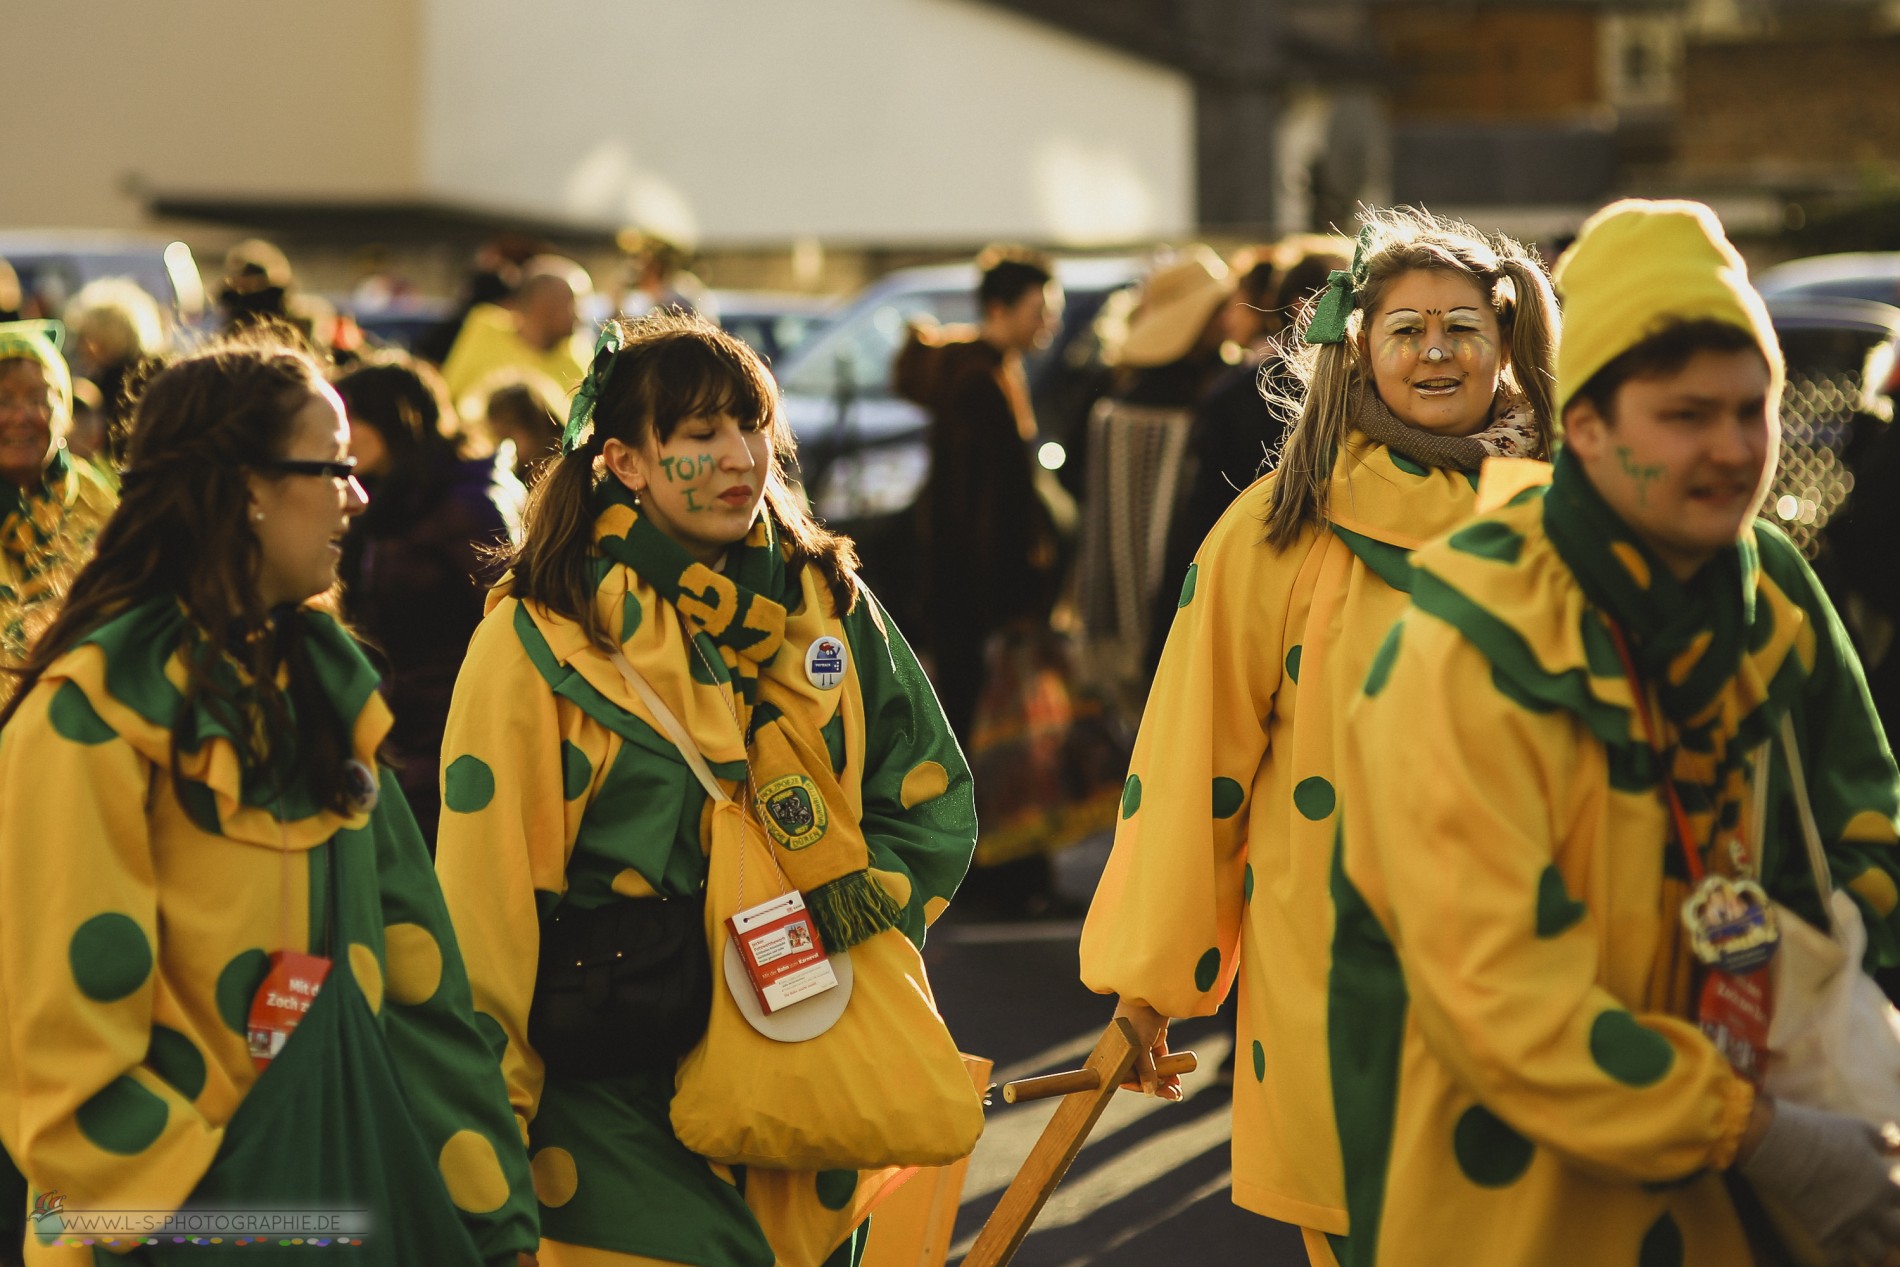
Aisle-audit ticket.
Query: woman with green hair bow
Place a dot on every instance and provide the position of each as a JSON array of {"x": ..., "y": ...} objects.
[
  {"x": 670, "y": 581},
  {"x": 52, "y": 505},
  {"x": 1429, "y": 355}
]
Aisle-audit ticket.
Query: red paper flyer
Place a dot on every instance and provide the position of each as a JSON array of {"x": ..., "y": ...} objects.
[
  {"x": 287, "y": 993},
  {"x": 781, "y": 952}
]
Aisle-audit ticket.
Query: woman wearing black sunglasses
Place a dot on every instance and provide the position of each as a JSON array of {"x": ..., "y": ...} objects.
[{"x": 199, "y": 854}]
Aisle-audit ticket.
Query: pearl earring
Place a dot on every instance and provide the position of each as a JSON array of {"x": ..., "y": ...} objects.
[{"x": 259, "y": 516}]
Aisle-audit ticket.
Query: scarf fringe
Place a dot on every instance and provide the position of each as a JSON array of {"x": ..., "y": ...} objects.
[{"x": 851, "y": 909}]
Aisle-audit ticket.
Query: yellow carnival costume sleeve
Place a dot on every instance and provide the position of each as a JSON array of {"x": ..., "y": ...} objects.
[
  {"x": 78, "y": 1010},
  {"x": 499, "y": 869},
  {"x": 1164, "y": 925}
]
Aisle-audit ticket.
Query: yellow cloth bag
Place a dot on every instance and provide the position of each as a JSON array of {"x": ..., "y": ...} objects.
[{"x": 884, "y": 1086}]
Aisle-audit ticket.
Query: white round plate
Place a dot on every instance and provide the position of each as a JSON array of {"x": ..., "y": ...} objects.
[{"x": 807, "y": 1018}]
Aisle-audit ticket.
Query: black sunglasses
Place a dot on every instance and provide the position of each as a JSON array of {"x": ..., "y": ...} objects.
[{"x": 346, "y": 469}]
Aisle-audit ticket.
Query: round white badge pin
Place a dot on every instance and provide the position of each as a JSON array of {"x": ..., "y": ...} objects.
[{"x": 824, "y": 662}]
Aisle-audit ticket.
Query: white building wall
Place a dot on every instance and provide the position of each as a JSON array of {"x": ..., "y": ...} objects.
[
  {"x": 725, "y": 122},
  {"x": 116, "y": 100}
]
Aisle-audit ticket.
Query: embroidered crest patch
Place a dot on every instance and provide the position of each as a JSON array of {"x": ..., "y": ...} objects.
[{"x": 793, "y": 811}]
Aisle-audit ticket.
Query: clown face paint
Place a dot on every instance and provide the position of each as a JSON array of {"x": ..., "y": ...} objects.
[
  {"x": 703, "y": 485},
  {"x": 1687, "y": 457},
  {"x": 1436, "y": 352}
]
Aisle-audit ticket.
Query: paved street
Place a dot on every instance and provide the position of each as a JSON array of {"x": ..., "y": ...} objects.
[{"x": 1152, "y": 1184}]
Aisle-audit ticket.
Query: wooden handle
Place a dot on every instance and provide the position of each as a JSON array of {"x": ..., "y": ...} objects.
[{"x": 1076, "y": 1080}]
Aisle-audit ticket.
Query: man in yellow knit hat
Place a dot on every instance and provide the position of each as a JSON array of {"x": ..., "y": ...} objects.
[{"x": 1538, "y": 1054}]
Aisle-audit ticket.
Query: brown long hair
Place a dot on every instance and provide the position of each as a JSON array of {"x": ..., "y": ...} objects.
[
  {"x": 1328, "y": 377},
  {"x": 182, "y": 528},
  {"x": 671, "y": 367}
]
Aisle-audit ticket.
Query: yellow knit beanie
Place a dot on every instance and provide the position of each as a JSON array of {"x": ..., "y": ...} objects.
[{"x": 1638, "y": 266}]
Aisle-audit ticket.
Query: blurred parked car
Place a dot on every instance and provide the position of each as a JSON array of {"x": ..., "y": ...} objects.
[
  {"x": 862, "y": 453},
  {"x": 773, "y": 322},
  {"x": 54, "y": 263},
  {"x": 861, "y": 447},
  {"x": 1871, "y": 275}
]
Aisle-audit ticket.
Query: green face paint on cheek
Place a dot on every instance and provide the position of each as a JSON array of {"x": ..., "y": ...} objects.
[{"x": 1638, "y": 474}]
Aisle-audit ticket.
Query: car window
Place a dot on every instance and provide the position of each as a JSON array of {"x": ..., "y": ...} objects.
[{"x": 861, "y": 347}]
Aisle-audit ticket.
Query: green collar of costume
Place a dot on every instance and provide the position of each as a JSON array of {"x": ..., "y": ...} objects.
[
  {"x": 128, "y": 671},
  {"x": 1530, "y": 586},
  {"x": 1383, "y": 505},
  {"x": 708, "y": 643},
  {"x": 1687, "y": 637}
]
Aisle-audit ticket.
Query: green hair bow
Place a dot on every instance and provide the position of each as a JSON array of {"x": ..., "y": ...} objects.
[
  {"x": 580, "y": 415},
  {"x": 1340, "y": 297}
]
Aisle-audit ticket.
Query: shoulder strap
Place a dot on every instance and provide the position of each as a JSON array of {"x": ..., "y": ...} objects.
[
  {"x": 1810, "y": 833},
  {"x": 671, "y": 725}
]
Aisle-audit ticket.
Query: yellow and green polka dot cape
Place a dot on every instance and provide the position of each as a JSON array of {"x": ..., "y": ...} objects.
[
  {"x": 145, "y": 907},
  {"x": 45, "y": 535},
  {"x": 1219, "y": 878},
  {"x": 1517, "y": 1076},
  {"x": 560, "y": 787}
]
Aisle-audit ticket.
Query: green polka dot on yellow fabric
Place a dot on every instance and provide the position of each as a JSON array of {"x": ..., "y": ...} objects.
[
  {"x": 1383, "y": 659},
  {"x": 368, "y": 974},
  {"x": 630, "y": 615},
  {"x": 1628, "y": 1051},
  {"x": 472, "y": 1171},
  {"x": 1314, "y": 798},
  {"x": 1557, "y": 911},
  {"x": 177, "y": 1060},
  {"x": 1187, "y": 585},
  {"x": 926, "y": 781},
  {"x": 1131, "y": 796},
  {"x": 1491, "y": 1154},
  {"x": 237, "y": 986},
  {"x": 415, "y": 963},
  {"x": 110, "y": 957},
  {"x": 1259, "y": 1062},
  {"x": 1246, "y": 883},
  {"x": 1662, "y": 1245},
  {"x": 468, "y": 785},
  {"x": 630, "y": 883},
  {"x": 1407, "y": 464},
  {"x": 1488, "y": 539},
  {"x": 1293, "y": 664},
  {"x": 200, "y": 804},
  {"x": 556, "y": 1178},
  {"x": 1207, "y": 971},
  {"x": 74, "y": 719},
  {"x": 576, "y": 771},
  {"x": 124, "y": 1117},
  {"x": 1229, "y": 796},
  {"x": 836, "y": 1188}
]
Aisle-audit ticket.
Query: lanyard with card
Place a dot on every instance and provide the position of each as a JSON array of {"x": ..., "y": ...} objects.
[
  {"x": 291, "y": 984},
  {"x": 1730, "y": 922}
]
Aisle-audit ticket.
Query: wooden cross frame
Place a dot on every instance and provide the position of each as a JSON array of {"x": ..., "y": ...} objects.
[{"x": 1086, "y": 1093}]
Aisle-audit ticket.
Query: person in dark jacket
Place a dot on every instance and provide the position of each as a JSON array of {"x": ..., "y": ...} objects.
[
  {"x": 989, "y": 549},
  {"x": 417, "y": 564}
]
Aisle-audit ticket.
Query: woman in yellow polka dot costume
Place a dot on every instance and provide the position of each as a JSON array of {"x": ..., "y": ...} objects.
[
  {"x": 666, "y": 533},
  {"x": 189, "y": 792},
  {"x": 1519, "y": 1069},
  {"x": 1431, "y": 354},
  {"x": 51, "y": 503}
]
